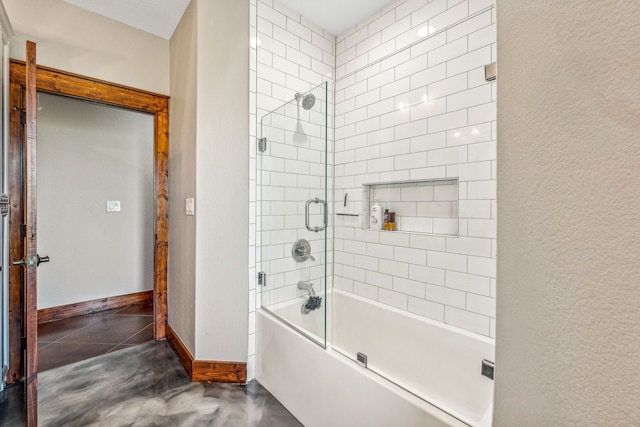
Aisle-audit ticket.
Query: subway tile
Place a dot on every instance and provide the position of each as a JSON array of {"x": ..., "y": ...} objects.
[
  {"x": 428, "y": 173},
  {"x": 423, "y": 241},
  {"x": 428, "y": 76},
  {"x": 448, "y": 226},
  {"x": 384, "y": 21},
  {"x": 357, "y": 141},
  {"x": 447, "y": 261},
  {"x": 470, "y": 61},
  {"x": 353, "y": 273},
  {"x": 477, "y": 171},
  {"x": 357, "y": 63},
  {"x": 365, "y": 290},
  {"x": 411, "y": 161},
  {"x": 450, "y": 17},
  {"x": 393, "y": 299},
  {"x": 430, "y": 141},
  {"x": 466, "y": 320},
  {"x": 428, "y": 11},
  {"x": 395, "y": 88},
  {"x": 483, "y": 37},
  {"x": 429, "y": 109},
  {"x": 474, "y": 209},
  {"x": 482, "y": 228},
  {"x": 409, "y": 287},
  {"x": 469, "y": 98},
  {"x": 394, "y": 268},
  {"x": 448, "y": 52},
  {"x": 311, "y": 50},
  {"x": 355, "y": 168},
  {"x": 397, "y": 28},
  {"x": 481, "y": 190},
  {"x": 369, "y": 43},
  {"x": 415, "y": 224},
  {"x": 446, "y": 296},
  {"x": 356, "y": 38},
  {"x": 380, "y": 136},
  {"x": 381, "y": 108},
  {"x": 469, "y": 246},
  {"x": 445, "y": 193},
  {"x": 468, "y": 282},
  {"x": 482, "y": 266},
  {"x": 396, "y": 117},
  {"x": 384, "y": 50},
  {"x": 469, "y": 135},
  {"x": 411, "y": 129},
  {"x": 271, "y": 15},
  {"x": 369, "y": 125},
  {"x": 482, "y": 113},
  {"x": 411, "y": 67},
  {"x": 367, "y": 153},
  {"x": 469, "y": 26},
  {"x": 322, "y": 42},
  {"x": 394, "y": 239},
  {"x": 286, "y": 37},
  {"x": 434, "y": 209},
  {"x": 447, "y": 156},
  {"x": 382, "y": 79},
  {"x": 478, "y": 5},
  {"x": 380, "y": 165},
  {"x": 395, "y": 59},
  {"x": 481, "y": 305},
  {"x": 366, "y": 262},
  {"x": 343, "y": 283},
  {"x": 380, "y": 251},
  {"x": 434, "y": 276},
  {"x": 426, "y": 308},
  {"x": 446, "y": 87},
  {"x": 378, "y": 279},
  {"x": 367, "y": 98},
  {"x": 411, "y": 256}
]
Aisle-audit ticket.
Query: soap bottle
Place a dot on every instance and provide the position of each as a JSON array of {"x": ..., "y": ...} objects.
[{"x": 375, "y": 220}]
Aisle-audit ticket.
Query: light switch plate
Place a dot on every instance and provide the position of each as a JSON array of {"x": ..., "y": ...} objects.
[
  {"x": 189, "y": 206},
  {"x": 113, "y": 206}
]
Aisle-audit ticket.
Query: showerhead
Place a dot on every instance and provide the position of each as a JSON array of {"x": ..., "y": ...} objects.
[{"x": 308, "y": 100}]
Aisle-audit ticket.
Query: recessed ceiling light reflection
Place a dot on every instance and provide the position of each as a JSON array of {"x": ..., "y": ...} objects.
[
  {"x": 425, "y": 31},
  {"x": 475, "y": 131},
  {"x": 401, "y": 106}
]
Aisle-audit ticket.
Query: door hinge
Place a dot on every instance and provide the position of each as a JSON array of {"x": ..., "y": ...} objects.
[
  {"x": 262, "y": 278},
  {"x": 262, "y": 144},
  {"x": 23, "y": 230},
  {"x": 23, "y": 343},
  {"x": 23, "y": 117}
]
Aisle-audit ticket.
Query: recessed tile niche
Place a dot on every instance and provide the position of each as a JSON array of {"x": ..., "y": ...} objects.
[{"x": 421, "y": 206}]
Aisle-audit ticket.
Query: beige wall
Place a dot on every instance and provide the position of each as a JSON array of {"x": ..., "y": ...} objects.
[
  {"x": 182, "y": 159},
  {"x": 568, "y": 331},
  {"x": 89, "y": 154},
  {"x": 208, "y": 260},
  {"x": 222, "y": 169},
  {"x": 72, "y": 39}
]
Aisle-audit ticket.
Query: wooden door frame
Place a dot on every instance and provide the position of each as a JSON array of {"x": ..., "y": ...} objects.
[{"x": 63, "y": 83}]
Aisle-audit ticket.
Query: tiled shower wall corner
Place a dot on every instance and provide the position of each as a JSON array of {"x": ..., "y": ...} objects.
[
  {"x": 412, "y": 104},
  {"x": 289, "y": 54}
]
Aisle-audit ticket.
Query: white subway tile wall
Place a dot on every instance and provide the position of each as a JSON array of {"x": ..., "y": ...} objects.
[{"x": 411, "y": 104}]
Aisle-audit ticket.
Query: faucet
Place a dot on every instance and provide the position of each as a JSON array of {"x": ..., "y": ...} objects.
[
  {"x": 306, "y": 286},
  {"x": 313, "y": 302}
]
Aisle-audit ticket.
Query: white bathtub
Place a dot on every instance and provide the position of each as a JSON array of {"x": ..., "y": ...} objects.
[{"x": 431, "y": 370}]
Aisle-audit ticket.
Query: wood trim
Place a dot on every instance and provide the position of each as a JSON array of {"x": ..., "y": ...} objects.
[
  {"x": 219, "y": 372},
  {"x": 31, "y": 244},
  {"x": 94, "y": 306},
  {"x": 206, "y": 370},
  {"x": 89, "y": 89},
  {"x": 181, "y": 350}
]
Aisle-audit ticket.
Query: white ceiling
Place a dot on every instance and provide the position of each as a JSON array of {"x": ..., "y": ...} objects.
[
  {"x": 335, "y": 16},
  {"x": 160, "y": 17}
]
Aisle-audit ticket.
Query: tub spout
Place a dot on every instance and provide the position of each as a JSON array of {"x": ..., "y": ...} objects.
[{"x": 306, "y": 286}]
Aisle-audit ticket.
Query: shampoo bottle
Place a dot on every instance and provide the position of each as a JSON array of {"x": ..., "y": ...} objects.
[{"x": 375, "y": 220}]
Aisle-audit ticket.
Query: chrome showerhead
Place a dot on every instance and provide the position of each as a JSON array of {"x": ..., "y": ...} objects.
[{"x": 308, "y": 101}]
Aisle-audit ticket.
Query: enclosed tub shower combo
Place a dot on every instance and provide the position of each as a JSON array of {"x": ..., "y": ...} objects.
[{"x": 375, "y": 223}]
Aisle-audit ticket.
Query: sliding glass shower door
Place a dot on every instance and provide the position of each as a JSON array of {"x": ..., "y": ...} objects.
[{"x": 292, "y": 213}]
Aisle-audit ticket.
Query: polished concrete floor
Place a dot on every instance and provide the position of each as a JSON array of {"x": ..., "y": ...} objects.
[
  {"x": 144, "y": 386},
  {"x": 82, "y": 337}
]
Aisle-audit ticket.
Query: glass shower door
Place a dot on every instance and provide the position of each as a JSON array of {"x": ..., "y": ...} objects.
[{"x": 292, "y": 213}]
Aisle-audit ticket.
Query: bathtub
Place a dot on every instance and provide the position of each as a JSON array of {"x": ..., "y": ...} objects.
[{"x": 431, "y": 370}]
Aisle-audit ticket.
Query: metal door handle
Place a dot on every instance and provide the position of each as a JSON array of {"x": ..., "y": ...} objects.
[
  {"x": 324, "y": 215},
  {"x": 37, "y": 260}
]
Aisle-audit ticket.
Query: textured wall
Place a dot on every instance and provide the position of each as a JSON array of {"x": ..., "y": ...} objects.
[{"x": 568, "y": 332}]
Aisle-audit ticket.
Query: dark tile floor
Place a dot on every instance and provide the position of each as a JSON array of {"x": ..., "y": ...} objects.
[
  {"x": 145, "y": 386},
  {"x": 79, "y": 338}
]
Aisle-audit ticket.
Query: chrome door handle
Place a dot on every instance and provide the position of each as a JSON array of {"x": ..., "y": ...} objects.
[
  {"x": 324, "y": 215},
  {"x": 37, "y": 260}
]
